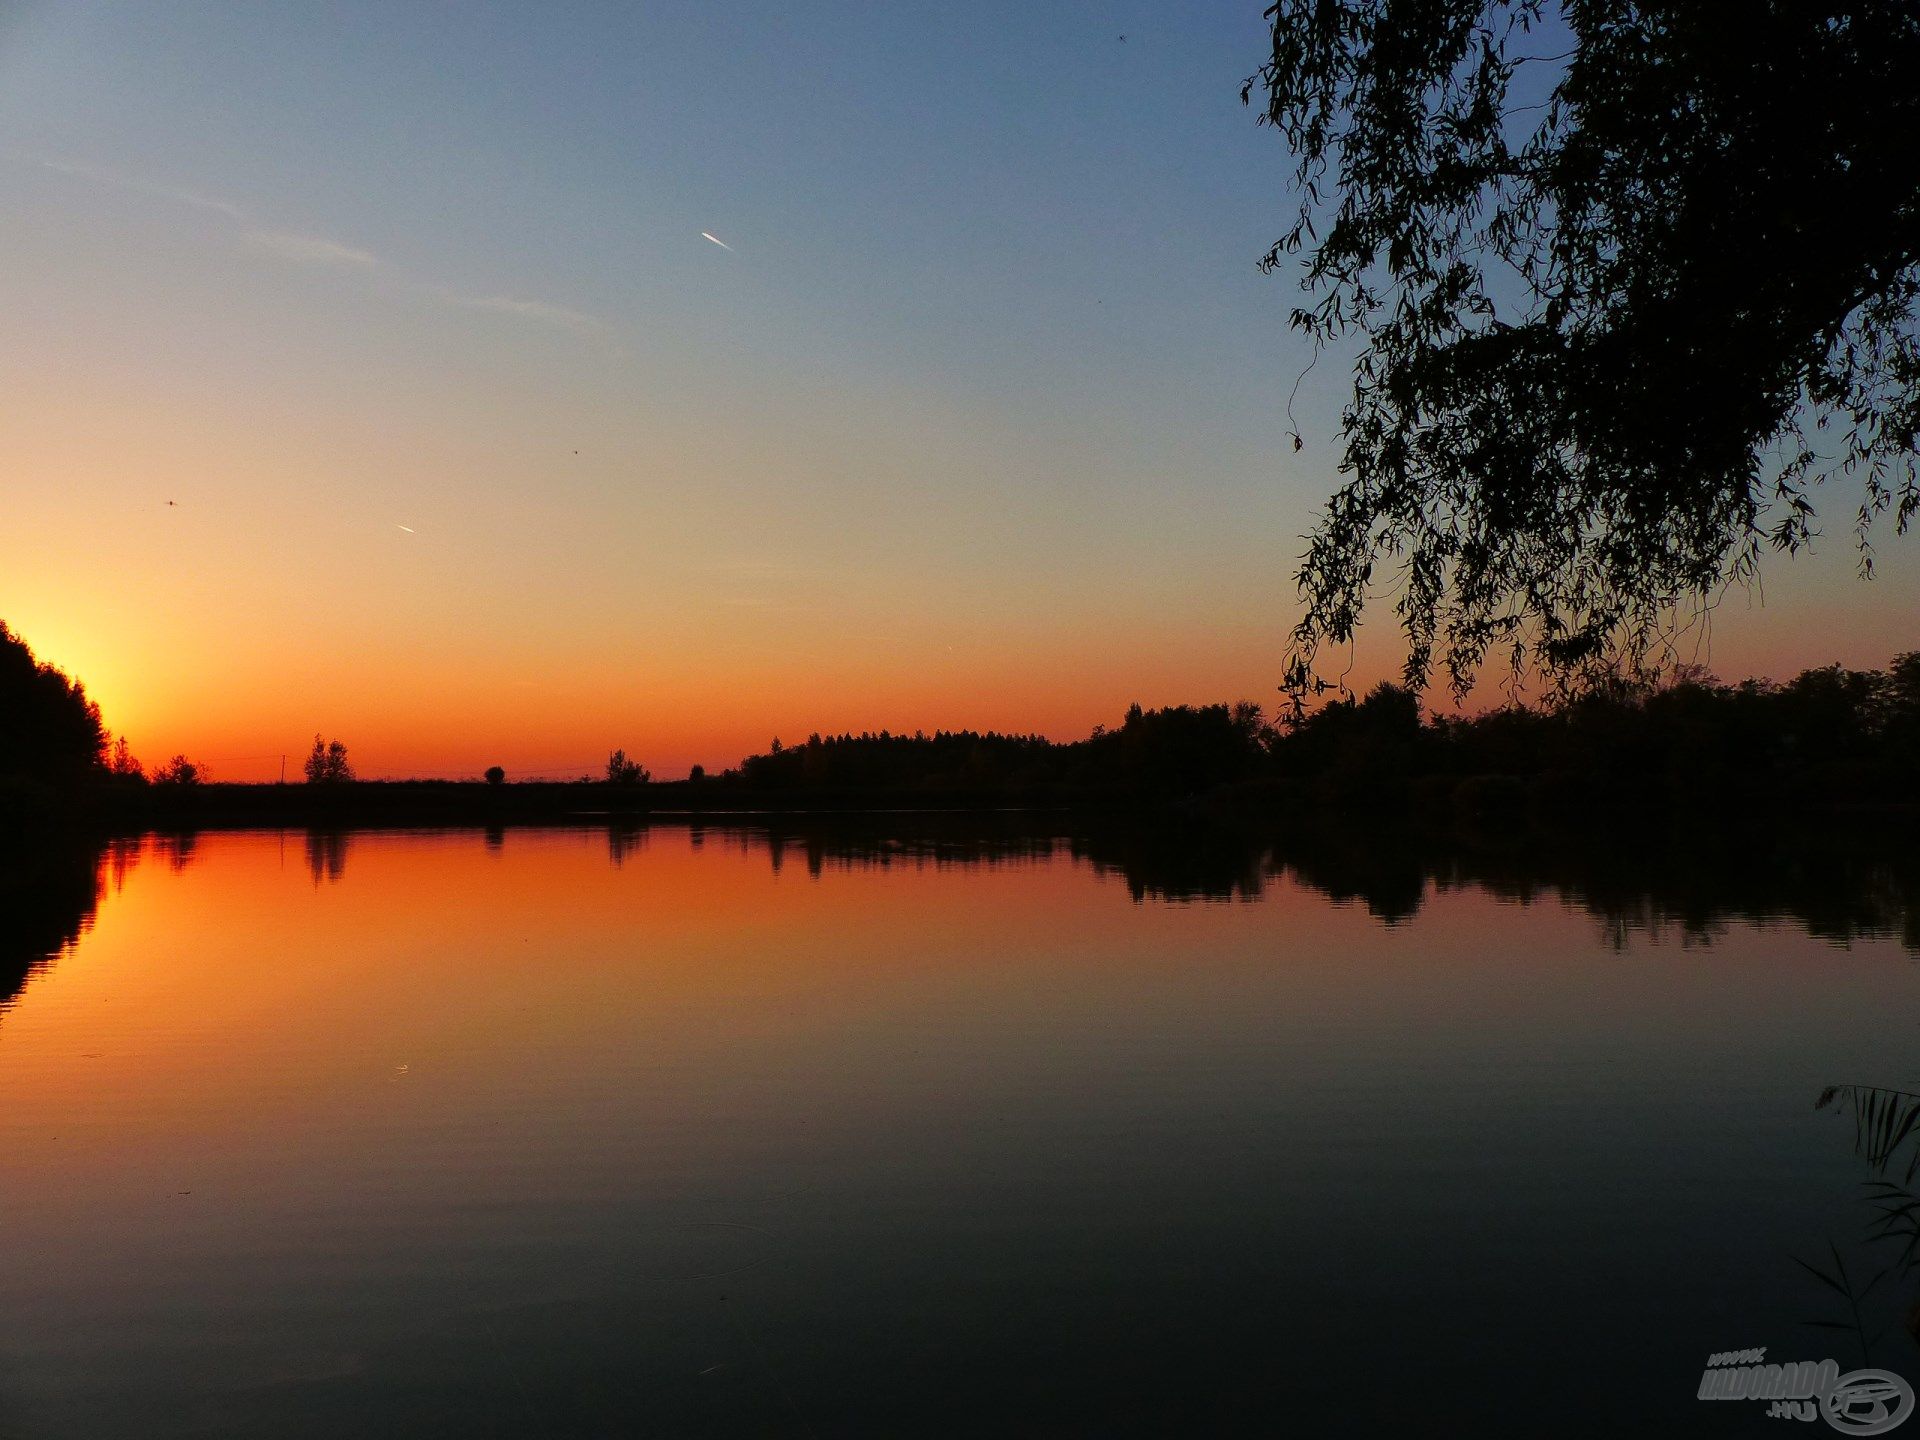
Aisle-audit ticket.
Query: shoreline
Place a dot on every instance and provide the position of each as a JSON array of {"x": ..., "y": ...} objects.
[{"x": 1476, "y": 808}]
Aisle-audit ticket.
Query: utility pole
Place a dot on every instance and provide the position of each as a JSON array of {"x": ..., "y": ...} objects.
[{"x": 283, "y": 769}]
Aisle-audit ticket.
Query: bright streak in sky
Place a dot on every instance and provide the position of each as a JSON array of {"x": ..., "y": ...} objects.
[{"x": 696, "y": 508}]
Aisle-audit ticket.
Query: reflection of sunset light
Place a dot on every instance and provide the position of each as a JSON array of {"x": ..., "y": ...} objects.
[
  {"x": 396, "y": 939},
  {"x": 373, "y": 1085}
]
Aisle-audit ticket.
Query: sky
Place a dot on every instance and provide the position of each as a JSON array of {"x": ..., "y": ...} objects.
[{"x": 368, "y": 369}]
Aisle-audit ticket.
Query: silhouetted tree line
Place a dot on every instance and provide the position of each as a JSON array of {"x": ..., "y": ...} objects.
[
  {"x": 1177, "y": 751},
  {"x": 943, "y": 760},
  {"x": 1830, "y": 734}
]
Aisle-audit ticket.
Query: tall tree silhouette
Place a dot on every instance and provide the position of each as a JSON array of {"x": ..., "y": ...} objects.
[
  {"x": 327, "y": 763},
  {"x": 1614, "y": 326},
  {"x": 50, "y": 732}
]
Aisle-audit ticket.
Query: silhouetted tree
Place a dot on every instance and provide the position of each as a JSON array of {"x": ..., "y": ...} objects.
[
  {"x": 50, "y": 732},
  {"x": 121, "y": 762},
  {"x": 1605, "y": 302},
  {"x": 327, "y": 763},
  {"x": 623, "y": 771},
  {"x": 1900, "y": 720},
  {"x": 496, "y": 776},
  {"x": 180, "y": 771},
  {"x": 697, "y": 773},
  {"x": 1180, "y": 750}
]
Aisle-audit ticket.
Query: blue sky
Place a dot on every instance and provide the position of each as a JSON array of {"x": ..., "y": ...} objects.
[{"x": 980, "y": 420}]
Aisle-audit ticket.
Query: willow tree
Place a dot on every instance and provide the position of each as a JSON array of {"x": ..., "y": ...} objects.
[{"x": 1628, "y": 282}]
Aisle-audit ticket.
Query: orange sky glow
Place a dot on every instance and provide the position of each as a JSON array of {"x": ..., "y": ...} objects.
[{"x": 370, "y": 379}]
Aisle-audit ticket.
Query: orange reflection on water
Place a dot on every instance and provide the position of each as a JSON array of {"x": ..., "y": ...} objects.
[
  {"x": 250, "y": 975},
  {"x": 321, "y": 1109}
]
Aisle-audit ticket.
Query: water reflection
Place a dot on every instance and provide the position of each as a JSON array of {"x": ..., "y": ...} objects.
[
  {"x": 625, "y": 839},
  {"x": 1841, "y": 887},
  {"x": 770, "y": 1127},
  {"x": 174, "y": 849},
  {"x": 1868, "y": 1272},
  {"x": 48, "y": 894},
  {"x": 326, "y": 855}
]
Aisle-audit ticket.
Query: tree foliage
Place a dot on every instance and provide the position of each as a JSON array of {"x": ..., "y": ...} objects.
[
  {"x": 181, "y": 773},
  {"x": 1178, "y": 751},
  {"x": 1609, "y": 342},
  {"x": 327, "y": 763},
  {"x": 624, "y": 771},
  {"x": 1683, "y": 743},
  {"x": 122, "y": 763},
  {"x": 49, "y": 730}
]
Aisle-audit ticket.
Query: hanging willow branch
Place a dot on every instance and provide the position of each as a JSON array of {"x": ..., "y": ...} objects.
[{"x": 1612, "y": 341}]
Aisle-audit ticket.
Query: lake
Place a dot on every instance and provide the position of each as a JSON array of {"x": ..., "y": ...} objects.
[{"x": 960, "y": 1128}]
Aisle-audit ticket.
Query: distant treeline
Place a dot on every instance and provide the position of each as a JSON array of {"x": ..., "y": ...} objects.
[
  {"x": 1830, "y": 737},
  {"x": 1179, "y": 751}
]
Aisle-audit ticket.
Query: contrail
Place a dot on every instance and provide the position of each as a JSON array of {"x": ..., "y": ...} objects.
[
  {"x": 398, "y": 526},
  {"x": 716, "y": 240}
]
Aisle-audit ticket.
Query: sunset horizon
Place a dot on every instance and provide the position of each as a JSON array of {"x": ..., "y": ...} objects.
[
  {"x": 920, "y": 722},
  {"x": 479, "y": 449}
]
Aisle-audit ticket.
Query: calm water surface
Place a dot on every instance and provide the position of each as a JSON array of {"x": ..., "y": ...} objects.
[{"x": 579, "y": 1133}]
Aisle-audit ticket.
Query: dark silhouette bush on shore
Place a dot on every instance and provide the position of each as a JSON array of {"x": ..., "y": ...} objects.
[
  {"x": 122, "y": 764},
  {"x": 624, "y": 771},
  {"x": 180, "y": 773}
]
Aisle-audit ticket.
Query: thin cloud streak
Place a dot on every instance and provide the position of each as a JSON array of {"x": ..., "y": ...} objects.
[
  {"x": 102, "y": 176},
  {"x": 320, "y": 250},
  {"x": 577, "y": 321},
  {"x": 314, "y": 249}
]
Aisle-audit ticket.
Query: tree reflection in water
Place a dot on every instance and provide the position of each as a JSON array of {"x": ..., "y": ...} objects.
[
  {"x": 1841, "y": 888},
  {"x": 49, "y": 890}
]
